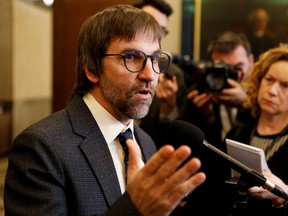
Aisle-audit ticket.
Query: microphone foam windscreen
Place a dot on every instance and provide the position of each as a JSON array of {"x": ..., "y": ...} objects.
[{"x": 180, "y": 132}]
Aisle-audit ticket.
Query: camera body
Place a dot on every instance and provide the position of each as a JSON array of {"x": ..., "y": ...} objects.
[
  {"x": 212, "y": 76},
  {"x": 206, "y": 76}
]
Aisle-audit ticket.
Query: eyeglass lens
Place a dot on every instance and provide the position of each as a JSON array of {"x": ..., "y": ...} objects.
[{"x": 136, "y": 60}]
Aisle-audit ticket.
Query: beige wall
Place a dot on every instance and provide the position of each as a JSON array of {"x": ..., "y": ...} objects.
[
  {"x": 5, "y": 50},
  {"x": 172, "y": 43},
  {"x": 32, "y": 64},
  {"x": 26, "y": 61},
  {"x": 26, "y": 58},
  {"x": 32, "y": 51}
]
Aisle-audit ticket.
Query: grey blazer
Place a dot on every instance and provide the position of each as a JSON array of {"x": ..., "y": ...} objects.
[{"x": 62, "y": 166}]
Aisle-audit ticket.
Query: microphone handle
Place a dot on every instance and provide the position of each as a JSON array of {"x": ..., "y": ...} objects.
[
  {"x": 239, "y": 166},
  {"x": 278, "y": 192}
]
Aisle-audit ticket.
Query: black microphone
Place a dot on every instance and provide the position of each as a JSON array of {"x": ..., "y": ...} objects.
[{"x": 181, "y": 132}]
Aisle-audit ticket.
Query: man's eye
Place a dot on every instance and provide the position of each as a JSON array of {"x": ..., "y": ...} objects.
[
  {"x": 130, "y": 56},
  {"x": 285, "y": 85},
  {"x": 268, "y": 79},
  {"x": 238, "y": 68}
]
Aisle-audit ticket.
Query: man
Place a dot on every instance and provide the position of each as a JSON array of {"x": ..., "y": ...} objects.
[
  {"x": 210, "y": 111},
  {"x": 170, "y": 100},
  {"x": 71, "y": 163},
  {"x": 234, "y": 50},
  {"x": 260, "y": 37}
]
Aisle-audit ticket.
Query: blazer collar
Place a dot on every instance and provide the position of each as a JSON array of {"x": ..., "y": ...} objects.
[
  {"x": 94, "y": 148},
  {"x": 96, "y": 151}
]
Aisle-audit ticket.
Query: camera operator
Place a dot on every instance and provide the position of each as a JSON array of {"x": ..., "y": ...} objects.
[
  {"x": 217, "y": 108},
  {"x": 231, "y": 58}
]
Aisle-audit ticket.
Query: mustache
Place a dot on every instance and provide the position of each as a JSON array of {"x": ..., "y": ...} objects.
[{"x": 144, "y": 87}]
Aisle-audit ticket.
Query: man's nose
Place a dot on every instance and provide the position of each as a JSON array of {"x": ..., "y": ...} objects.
[{"x": 148, "y": 73}]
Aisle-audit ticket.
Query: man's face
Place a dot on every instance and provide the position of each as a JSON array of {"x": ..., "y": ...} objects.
[
  {"x": 124, "y": 94},
  {"x": 237, "y": 59}
]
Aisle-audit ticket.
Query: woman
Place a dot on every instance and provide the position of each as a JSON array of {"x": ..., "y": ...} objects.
[{"x": 267, "y": 88}]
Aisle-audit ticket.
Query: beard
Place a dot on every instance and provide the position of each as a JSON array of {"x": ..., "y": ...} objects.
[{"x": 121, "y": 97}]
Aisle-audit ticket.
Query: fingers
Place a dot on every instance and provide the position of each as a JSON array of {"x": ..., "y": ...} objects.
[
  {"x": 185, "y": 172},
  {"x": 188, "y": 187},
  {"x": 164, "y": 162},
  {"x": 165, "y": 167},
  {"x": 167, "y": 87},
  {"x": 165, "y": 179},
  {"x": 233, "y": 83},
  {"x": 134, "y": 155},
  {"x": 168, "y": 169},
  {"x": 159, "y": 159},
  {"x": 192, "y": 94},
  {"x": 202, "y": 100},
  {"x": 179, "y": 182},
  {"x": 259, "y": 193}
]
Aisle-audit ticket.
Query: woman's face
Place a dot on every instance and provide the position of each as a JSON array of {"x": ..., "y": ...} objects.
[{"x": 273, "y": 91}]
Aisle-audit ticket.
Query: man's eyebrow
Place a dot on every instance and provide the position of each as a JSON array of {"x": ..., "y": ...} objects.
[
  {"x": 238, "y": 64},
  {"x": 129, "y": 49},
  {"x": 157, "y": 51},
  {"x": 133, "y": 49}
]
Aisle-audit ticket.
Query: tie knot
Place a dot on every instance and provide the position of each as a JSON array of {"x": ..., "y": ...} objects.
[{"x": 123, "y": 136}]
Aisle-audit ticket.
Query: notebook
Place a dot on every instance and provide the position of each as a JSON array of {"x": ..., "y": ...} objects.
[{"x": 250, "y": 156}]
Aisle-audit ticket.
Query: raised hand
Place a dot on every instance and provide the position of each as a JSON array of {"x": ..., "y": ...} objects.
[{"x": 159, "y": 186}]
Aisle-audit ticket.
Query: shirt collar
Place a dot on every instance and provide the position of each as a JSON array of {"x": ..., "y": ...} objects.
[{"x": 109, "y": 126}]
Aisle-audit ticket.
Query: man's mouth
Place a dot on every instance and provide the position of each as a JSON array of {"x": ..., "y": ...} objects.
[{"x": 144, "y": 91}]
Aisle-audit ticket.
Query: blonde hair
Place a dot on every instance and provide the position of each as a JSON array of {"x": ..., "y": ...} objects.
[{"x": 257, "y": 73}]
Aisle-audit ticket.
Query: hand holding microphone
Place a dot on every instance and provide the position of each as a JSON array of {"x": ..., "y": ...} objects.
[{"x": 181, "y": 132}]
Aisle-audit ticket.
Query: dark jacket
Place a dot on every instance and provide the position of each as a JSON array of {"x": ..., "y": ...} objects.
[
  {"x": 62, "y": 166},
  {"x": 278, "y": 164}
]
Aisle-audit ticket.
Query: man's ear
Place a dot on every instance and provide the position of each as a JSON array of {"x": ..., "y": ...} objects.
[{"x": 92, "y": 77}]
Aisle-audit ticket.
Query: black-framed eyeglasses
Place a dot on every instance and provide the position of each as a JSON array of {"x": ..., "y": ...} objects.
[{"x": 135, "y": 60}]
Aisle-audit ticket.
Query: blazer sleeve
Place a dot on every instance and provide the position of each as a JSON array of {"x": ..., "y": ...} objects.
[
  {"x": 37, "y": 183},
  {"x": 41, "y": 181}
]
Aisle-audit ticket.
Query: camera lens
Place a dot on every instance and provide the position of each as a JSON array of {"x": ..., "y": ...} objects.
[{"x": 215, "y": 79}]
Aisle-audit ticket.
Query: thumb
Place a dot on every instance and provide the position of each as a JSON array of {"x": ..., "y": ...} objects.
[
  {"x": 191, "y": 95},
  {"x": 135, "y": 162},
  {"x": 232, "y": 82}
]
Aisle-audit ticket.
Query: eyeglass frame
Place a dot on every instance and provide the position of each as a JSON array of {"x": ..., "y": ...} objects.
[{"x": 144, "y": 61}]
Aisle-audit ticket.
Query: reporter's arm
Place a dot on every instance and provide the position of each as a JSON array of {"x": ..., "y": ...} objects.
[{"x": 260, "y": 193}]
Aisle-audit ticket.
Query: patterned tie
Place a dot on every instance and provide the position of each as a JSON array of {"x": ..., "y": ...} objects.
[{"x": 122, "y": 139}]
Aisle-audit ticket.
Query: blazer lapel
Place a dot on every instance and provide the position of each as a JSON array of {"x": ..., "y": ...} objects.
[
  {"x": 145, "y": 142},
  {"x": 94, "y": 148},
  {"x": 96, "y": 151}
]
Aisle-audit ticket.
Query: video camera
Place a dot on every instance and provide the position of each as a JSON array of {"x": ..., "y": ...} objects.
[{"x": 206, "y": 76}]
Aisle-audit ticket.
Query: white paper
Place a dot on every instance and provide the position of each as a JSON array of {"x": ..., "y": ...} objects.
[{"x": 250, "y": 156}]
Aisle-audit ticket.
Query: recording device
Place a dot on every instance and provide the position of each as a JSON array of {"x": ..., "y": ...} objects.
[
  {"x": 181, "y": 132},
  {"x": 206, "y": 76}
]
